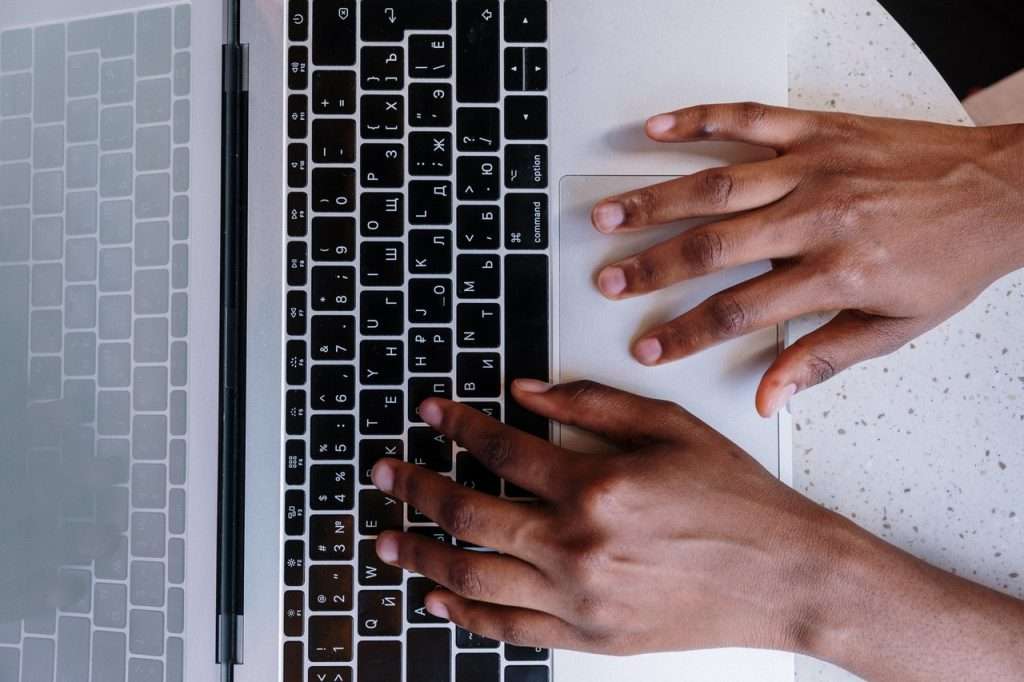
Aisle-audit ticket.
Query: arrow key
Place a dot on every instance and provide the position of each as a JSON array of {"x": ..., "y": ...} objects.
[
  {"x": 514, "y": 61},
  {"x": 526, "y": 117},
  {"x": 526, "y": 21},
  {"x": 535, "y": 71}
]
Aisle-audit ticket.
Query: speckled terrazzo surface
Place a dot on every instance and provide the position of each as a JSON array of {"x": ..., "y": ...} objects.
[{"x": 926, "y": 447}]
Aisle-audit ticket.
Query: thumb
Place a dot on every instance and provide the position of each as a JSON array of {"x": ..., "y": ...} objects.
[{"x": 851, "y": 338}]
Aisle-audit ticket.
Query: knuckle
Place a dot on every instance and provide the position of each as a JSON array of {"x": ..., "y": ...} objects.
[
  {"x": 703, "y": 118},
  {"x": 839, "y": 211},
  {"x": 729, "y": 315},
  {"x": 590, "y": 609},
  {"x": 583, "y": 393},
  {"x": 704, "y": 249},
  {"x": 457, "y": 514},
  {"x": 642, "y": 203},
  {"x": 820, "y": 367},
  {"x": 752, "y": 113},
  {"x": 496, "y": 449},
  {"x": 515, "y": 633},
  {"x": 848, "y": 280},
  {"x": 603, "y": 498},
  {"x": 464, "y": 578},
  {"x": 716, "y": 187}
]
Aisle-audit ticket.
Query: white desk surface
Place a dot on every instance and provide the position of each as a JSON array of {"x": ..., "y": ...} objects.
[{"x": 924, "y": 448}]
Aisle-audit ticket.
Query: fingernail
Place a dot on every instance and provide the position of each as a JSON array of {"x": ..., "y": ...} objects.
[
  {"x": 383, "y": 476},
  {"x": 648, "y": 351},
  {"x": 387, "y": 549},
  {"x": 609, "y": 216},
  {"x": 782, "y": 398},
  {"x": 661, "y": 124},
  {"x": 430, "y": 412},
  {"x": 437, "y": 609},
  {"x": 611, "y": 281},
  {"x": 532, "y": 386}
]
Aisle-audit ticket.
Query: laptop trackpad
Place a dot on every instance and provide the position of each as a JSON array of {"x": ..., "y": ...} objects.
[{"x": 595, "y": 334}]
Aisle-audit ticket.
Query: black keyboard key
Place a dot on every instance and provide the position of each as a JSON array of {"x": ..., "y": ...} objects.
[
  {"x": 429, "y": 655},
  {"x": 333, "y": 387},
  {"x": 430, "y": 56},
  {"x": 334, "y": 338},
  {"x": 386, "y": 21},
  {"x": 430, "y": 105},
  {"x": 382, "y": 116},
  {"x": 431, "y": 533},
  {"x": 332, "y": 487},
  {"x": 479, "y": 276},
  {"x": 334, "y": 190},
  {"x": 430, "y": 252},
  {"x": 334, "y": 92},
  {"x": 294, "y": 563},
  {"x": 298, "y": 67},
  {"x": 430, "y": 301},
  {"x": 372, "y": 451},
  {"x": 382, "y": 264},
  {"x": 334, "y": 239},
  {"x": 334, "y": 140},
  {"x": 381, "y": 215},
  {"x": 295, "y": 462},
  {"x": 295, "y": 413},
  {"x": 297, "y": 216},
  {"x": 332, "y": 436},
  {"x": 382, "y": 313},
  {"x": 295, "y": 363},
  {"x": 296, "y": 313},
  {"x": 527, "y": 332},
  {"x": 478, "y": 325},
  {"x": 379, "y": 661},
  {"x": 332, "y": 673},
  {"x": 430, "y": 202},
  {"x": 298, "y": 117},
  {"x": 526, "y": 117},
  {"x": 521, "y": 653},
  {"x": 293, "y": 614},
  {"x": 330, "y": 639},
  {"x": 383, "y": 166},
  {"x": 526, "y": 21},
  {"x": 526, "y": 166},
  {"x": 383, "y": 68},
  {"x": 297, "y": 264},
  {"x": 382, "y": 363},
  {"x": 515, "y": 58},
  {"x": 477, "y": 45},
  {"x": 293, "y": 662},
  {"x": 372, "y": 571},
  {"x": 477, "y": 668},
  {"x": 330, "y": 587},
  {"x": 298, "y": 166},
  {"x": 464, "y": 639},
  {"x": 298, "y": 21},
  {"x": 294, "y": 512},
  {"x": 427, "y": 387},
  {"x": 478, "y": 129},
  {"x": 331, "y": 537},
  {"x": 380, "y": 613},
  {"x": 526, "y": 222},
  {"x": 478, "y": 375},
  {"x": 415, "y": 595},
  {"x": 430, "y": 154},
  {"x": 381, "y": 413},
  {"x": 430, "y": 350},
  {"x": 378, "y": 512},
  {"x": 528, "y": 673},
  {"x": 430, "y": 449},
  {"x": 334, "y": 288},
  {"x": 334, "y": 32},
  {"x": 478, "y": 227},
  {"x": 491, "y": 409},
  {"x": 478, "y": 178},
  {"x": 472, "y": 474},
  {"x": 536, "y": 69}
]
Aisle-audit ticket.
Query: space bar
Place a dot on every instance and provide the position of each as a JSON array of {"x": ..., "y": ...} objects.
[{"x": 527, "y": 333}]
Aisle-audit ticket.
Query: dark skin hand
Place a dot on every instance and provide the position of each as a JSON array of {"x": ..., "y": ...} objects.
[
  {"x": 680, "y": 541},
  {"x": 897, "y": 224}
]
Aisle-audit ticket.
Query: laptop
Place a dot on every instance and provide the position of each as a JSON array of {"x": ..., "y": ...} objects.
[{"x": 239, "y": 242}]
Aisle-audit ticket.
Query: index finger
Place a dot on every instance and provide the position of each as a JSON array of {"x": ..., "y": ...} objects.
[{"x": 520, "y": 458}]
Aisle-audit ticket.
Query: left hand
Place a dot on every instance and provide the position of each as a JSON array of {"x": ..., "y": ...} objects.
[{"x": 679, "y": 542}]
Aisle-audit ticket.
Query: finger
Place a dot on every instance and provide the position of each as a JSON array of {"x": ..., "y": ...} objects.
[
  {"x": 523, "y": 459},
  {"x": 713, "y": 192},
  {"x": 463, "y": 513},
  {"x": 851, "y": 338},
  {"x": 751, "y": 122},
  {"x": 515, "y": 626},
  {"x": 710, "y": 248},
  {"x": 617, "y": 416},
  {"x": 767, "y": 300},
  {"x": 482, "y": 576}
]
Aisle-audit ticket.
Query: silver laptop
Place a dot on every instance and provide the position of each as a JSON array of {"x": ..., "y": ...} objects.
[{"x": 405, "y": 214}]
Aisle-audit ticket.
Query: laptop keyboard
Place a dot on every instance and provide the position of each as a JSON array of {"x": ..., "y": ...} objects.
[
  {"x": 416, "y": 265},
  {"x": 94, "y": 181}
]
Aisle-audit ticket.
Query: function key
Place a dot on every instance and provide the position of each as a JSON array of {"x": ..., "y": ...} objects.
[
  {"x": 526, "y": 21},
  {"x": 295, "y": 363},
  {"x": 294, "y": 512},
  {"x": 296, "y": 313},
  {"x": 330, "y": 639},
  {"x": 386, "y": 21},
  {"x": 298, "y": 67},
  {"x": 478, "y": 129},
  {"x": 526, "y": 226},
  {"x": 297, "y": 166},
  {"x": 526, "y": 117},
  {"x": 334, "y": 92},
  {"x": 297, "y": 257},
  {"x": 430, "y": 57},
  {"x": 294, "y": 563},
  {"x": 334, "y": 32},
  {"x": 293, "y": 662},
  {"x": 526, "y": 166},
  {"x": 297, "y": 218},
  {"x": 295, "y": 413},
  {"x": 298, "y": 117},
  {"x": 383, "y": 68},
  {"x": 298, "y": 20},
  {"x": 293, "y": 613},
  {"x": 295, "y": 462}
]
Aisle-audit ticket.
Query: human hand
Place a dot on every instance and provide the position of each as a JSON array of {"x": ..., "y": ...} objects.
[{"x": 898, "y": 224}]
